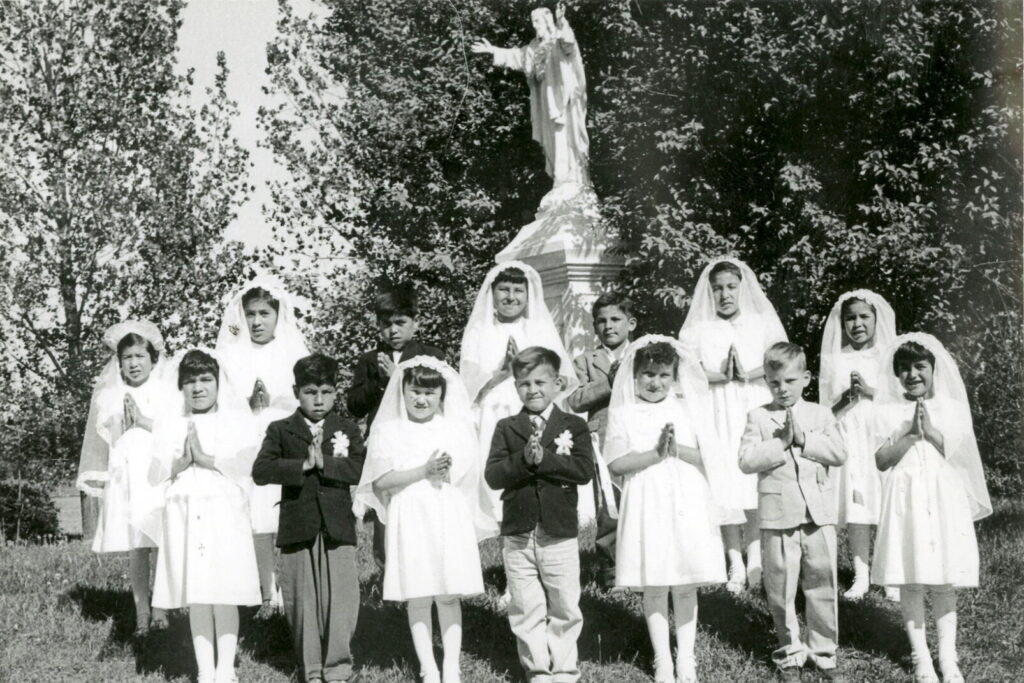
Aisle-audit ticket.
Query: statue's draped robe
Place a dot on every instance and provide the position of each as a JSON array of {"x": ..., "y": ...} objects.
[{"x": 558, "y": 101}]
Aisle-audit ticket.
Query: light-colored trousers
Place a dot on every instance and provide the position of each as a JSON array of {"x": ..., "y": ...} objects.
[
  {"x": 320, "y": 587},
  {"x": 544, "y": 582},
  {"x": 803, "y": 557}
]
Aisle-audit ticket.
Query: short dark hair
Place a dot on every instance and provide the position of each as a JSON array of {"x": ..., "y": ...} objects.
[
  {"x": 781, "y": 354},
  {"x": 425, "y": 378},
  {"x": 317, "y": 369},
  {"x": 613, "y": 298},
  {"x": 854, "y": 300},
  {"x": 260, "y": 294},
  {"x": 533, "y": 357},
  {"x": 725, "y": 267},
  {"x": 396, "y": 300},
  {"x": 195, "y": 363},
  {"x": 658, "y": 353},
  {"x": 133, "y": 339},
  {"x": 512, "y": 274},
  {"x": 908, "y": 353}
]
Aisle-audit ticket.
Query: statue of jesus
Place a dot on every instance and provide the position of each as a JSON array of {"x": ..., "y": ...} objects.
[{"x": 558, "y": 93}]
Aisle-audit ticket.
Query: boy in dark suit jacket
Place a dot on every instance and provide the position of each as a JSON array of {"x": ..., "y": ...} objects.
[
  {"x": 539, "y": 457},
  {"x": 613, "y": 322},
  {"x": 396, "y": 310},
  {"x": 315, "y": 455}
]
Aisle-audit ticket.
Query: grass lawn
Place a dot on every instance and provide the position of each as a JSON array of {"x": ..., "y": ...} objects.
[{"x": 66, "y": 615}]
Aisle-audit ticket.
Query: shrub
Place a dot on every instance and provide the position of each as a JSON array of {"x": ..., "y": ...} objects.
[{"x": 26, "y": 511}]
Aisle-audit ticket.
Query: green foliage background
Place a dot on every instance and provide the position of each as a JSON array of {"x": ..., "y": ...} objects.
[
  {"x": 831, "y": 145},
  {"x": 114, "y": 195}
]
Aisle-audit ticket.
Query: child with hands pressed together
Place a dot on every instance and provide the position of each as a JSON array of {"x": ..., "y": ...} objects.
[
  {"x": 509, "y": 315},
  {"x": 130, "y": 397},
  {"x": 933, "y": 493},
  {"x": 422, "y": 478},
  {"x": 207, "y": 561},
  {"x": 791, "y": 444},
  {"x": 396, "y": 310},
  {"x": 859, "y": 329},
  {"x": 729, "y": 326},
  {"x": 258, "y": 342},
  {"x": 662, "y": 441},
  {"x": 540, "y": 457},
  {"x": 316, "y": 455}
]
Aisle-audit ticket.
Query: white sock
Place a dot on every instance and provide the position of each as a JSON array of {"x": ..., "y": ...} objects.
[
  {"x": 684, "y": 605},
  {"x": 449, "y": 614},
  {"x": 422, "y": 628},
  {"x": 733, "y": 553},
  {"x": 859, "y": 537},
  {"x": 200, "y": 619},
  {"x": 944, "y": 609},
  {"x": 225, "y": 621},
  {"x": 656, "y": 615},
  {"x": 912, "y": 607}
]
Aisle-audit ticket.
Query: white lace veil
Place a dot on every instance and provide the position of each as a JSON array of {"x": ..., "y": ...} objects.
[
  {"x": 238, "y": 351},
  {"x": 479, "y": 359},
  {"x": 955, "y": 422},
  {"x": 691, "y": 386},
  {"x": 752, "y": 302},
  {"x": 830, "y": 384},
  {"x": 388, "y": 436},
  {"x": 93, "y": 460}
]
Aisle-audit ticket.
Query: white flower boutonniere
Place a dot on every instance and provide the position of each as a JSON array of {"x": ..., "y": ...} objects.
[
  {"x": 339, "y": 445},
  {"x": 564, "y": 443}
]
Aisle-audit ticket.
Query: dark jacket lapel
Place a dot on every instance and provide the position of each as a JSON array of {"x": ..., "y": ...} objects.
[
  {"x": 297, "y": 425},
  {"x": 553, "y": 427},
  {"x": 521, "y": 425}
]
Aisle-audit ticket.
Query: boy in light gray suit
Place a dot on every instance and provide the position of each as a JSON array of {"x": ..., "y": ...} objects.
[
  {"x": 614, "y": 321},
  {"x": 790, "y": 444}
]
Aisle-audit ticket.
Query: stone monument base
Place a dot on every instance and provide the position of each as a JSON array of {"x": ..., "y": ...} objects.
[{"x": 569, "y": 245}]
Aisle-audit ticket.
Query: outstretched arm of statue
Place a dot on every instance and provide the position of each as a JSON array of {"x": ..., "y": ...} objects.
[{"x": 508, "y": 57}]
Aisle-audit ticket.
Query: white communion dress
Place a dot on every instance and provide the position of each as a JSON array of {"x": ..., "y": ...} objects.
[
  {"x": 710, "y": 341},
  {"x": 859, "y": 489},
  {"x": 207, "y": 555},
  {"x": 668, "y": 532},
  {"x": 925, "y": 530},
  {"x": 431, "y": 536},
  {"x": 130, "y": 513}
]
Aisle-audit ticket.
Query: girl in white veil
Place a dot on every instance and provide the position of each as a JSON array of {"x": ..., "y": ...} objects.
[
  {"x": 130, "y": 397},
  {"x": 207, "y": 561},
  {"x": 932, "y": 495},
  {"x": 259, "y": 342},
  {"x": 422, "y": 477},
  {"x": 509, "y": 315},
  {"x": 661, "y": 439},
  {"x": 729, "y": 326},
  {"x": 859, "y": 329}
]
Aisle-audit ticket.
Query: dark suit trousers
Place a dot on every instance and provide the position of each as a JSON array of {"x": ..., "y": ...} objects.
[{"x": 320, "y": 586}]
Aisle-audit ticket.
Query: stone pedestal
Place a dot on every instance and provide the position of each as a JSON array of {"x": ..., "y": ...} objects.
[{"x": 569, "y": 246}]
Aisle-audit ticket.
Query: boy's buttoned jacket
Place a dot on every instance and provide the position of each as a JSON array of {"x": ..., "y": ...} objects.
[
  {"x": 793, "y": 483},
  {"x": 312, "y": 500},
  {"x": 544, "y": 494}
]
